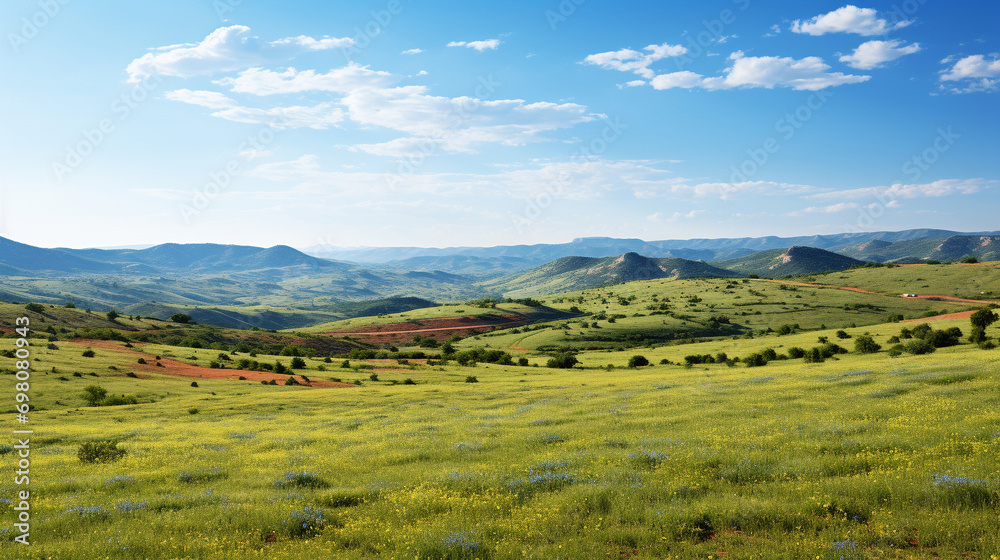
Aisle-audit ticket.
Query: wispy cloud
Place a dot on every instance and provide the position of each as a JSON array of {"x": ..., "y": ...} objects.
[{"x": 488, "y": 44}]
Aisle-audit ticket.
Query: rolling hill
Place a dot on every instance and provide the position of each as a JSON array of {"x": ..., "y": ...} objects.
[
  {"x": 777, "y": 263},
  {"x": 577, "y": 273}
]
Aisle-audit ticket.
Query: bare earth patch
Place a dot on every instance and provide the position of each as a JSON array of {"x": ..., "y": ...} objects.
[{"x": 182, "y": 369}]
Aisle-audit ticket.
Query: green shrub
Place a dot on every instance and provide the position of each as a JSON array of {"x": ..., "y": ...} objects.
[
  {"x": 865, "y": 344},
  {"x": 88, "y": 354},
  {"x": 637, "y": 361},
  {"x": 103, "y": 451}
]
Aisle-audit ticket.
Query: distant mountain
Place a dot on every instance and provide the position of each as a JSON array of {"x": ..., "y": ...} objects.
[
  {"x": 17, "y": 258},
  {"x": 204, "y": 258},
  {"x": 984, "y": 248},
  {"x": 942, "y": 248},
  {"x": 695, "y": 249},
  {"x": 578, "y": 273},
  {"x": 777, "y": 263}
]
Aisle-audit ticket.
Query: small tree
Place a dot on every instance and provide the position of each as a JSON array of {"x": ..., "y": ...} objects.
[
  {"x": 865, "y": 344},
  {"x": 298, "y": 363},
  {"x": 112, "y": 315},
  {"x": 180, "y": 318},
  {"x": 983, "y": 318},
  {"x": 637, "y": 361},
  {"x": 94, "y": 394},
  {"x": 563, "y": 360}
]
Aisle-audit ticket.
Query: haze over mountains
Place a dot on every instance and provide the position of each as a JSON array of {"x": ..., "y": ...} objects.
[
  {"x": 168, "y": 278},
  {"x": 876, "y": 246}
]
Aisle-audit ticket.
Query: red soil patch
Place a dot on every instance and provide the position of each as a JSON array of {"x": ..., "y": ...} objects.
[
  {"x": 438, "y": 329},
  {"x": 960, "y": 315},
  {"x": 851, "y": 289},
  {"x": 181, "y": 369}
]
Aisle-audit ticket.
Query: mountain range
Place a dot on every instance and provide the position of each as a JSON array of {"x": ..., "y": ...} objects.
[{"x": 175, "y": 277}]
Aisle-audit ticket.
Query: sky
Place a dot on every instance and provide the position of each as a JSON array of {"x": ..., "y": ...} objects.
[{"x": 328, "y": 124}]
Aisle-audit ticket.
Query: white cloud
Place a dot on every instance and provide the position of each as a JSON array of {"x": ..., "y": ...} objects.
[
  {"x": 809, "y": 73},
  {"x": 632, "y": 83},
  {"x": 661, "y": 217},
  {"x": 976, "y": 72},
  {"x": 832, "y": 209},
  {"x": 873, "y": 54},
  {"x": 489, "y": 44},
  {"x": 224, "y": 50},
  {"x": 412, "y": 51},
  {"x": 944, "y": 187},
  {"x": 259, "y": 81},
  {"x": 456, "y": 124},
  {"x": 727, "y": 191},
  {"x": 848, "y": 19},
  {"x": 628, "y": 60},
  {"x": 321, "y": 116},
  {"x": 210, "y": 99},
  {"x": 571, "y": 180}
]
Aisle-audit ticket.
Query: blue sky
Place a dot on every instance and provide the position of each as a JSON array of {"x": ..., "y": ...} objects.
[{"x": 482, "y": 123}]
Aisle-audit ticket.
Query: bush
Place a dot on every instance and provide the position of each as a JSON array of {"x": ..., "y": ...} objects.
[
  {"x": 94, "y": 394},
  {"x": 564, "y": 360},
  {"x": 409, "y": 381},
  {"x": 373, "y": 377},
  {"x": 36, "y": 307},
  {"x": 842, "y": 334},
  {"x": 192, "y": 410},
  {"x": 88, "y": 354},
  {"x": 180, "y": 318},
  {"x": 919, "y": 346},
  {"x": 637, "y": 361},
  {"x": 298, "y": 363},
  {"x": 194, "y": 383},
  {"x": 103, "y": 451},
  {"x": 141, "y": 361},
  {"x": 795, "y": 352},
  {"x": 865, "y": 344},
  {"x": 522, "y": 361},
  {"x": 471, "y": 379}
]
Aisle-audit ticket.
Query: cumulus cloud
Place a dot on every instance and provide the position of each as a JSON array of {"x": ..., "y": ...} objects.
[
  {"x": 412, "y": 51},
  {"x": 489, "y": 44},
  {"x": 848, "y": 19},
  {"x": 224, "y": 50},
  {"x": 260, "y": 81},
  {"x": 975, "y": 73},
  {"x": 809, "y": 74},
  {"x": 628, "y": 60},
  {"x": 874, "y": 54}
]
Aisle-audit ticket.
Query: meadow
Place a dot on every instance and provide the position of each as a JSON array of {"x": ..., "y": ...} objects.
[{"x": 862, "y": 456}]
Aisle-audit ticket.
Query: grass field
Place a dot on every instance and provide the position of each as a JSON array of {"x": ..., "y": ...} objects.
[{"x": 862, "y": 456}]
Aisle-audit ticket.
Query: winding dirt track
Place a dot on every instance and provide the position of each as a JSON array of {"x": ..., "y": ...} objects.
[{"x": 181, "y": 369}]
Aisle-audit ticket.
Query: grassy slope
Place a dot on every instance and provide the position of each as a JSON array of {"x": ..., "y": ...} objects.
[
  {"x": 956, "y": 280},
  {"x": 739, "y": 300},
  {"x": 780, "y": 461},
  {"x": 789, "y": 460}
]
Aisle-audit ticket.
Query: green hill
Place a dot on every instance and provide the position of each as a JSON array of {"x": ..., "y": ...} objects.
[
  {"x": 794, "y": 261},
  {"x": 578, "y": 273}
]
